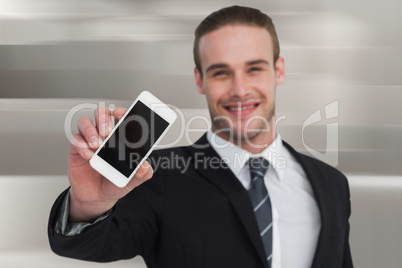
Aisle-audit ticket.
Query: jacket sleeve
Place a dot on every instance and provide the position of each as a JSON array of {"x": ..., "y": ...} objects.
[
  {"x": 347, "y": 256},
  {"x": 66, "y": 228},
  {"x": 131, "y": 229}
]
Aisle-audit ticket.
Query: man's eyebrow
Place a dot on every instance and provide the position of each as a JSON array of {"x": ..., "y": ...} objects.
[
  {"x": 216, "y": 66},
  {"x": 223, "y": 65},
  {"x": 253, "y": 62}
]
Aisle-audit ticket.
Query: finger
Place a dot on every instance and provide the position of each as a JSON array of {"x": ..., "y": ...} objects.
[
  {"x": 103, "y": 120},
  {"x": 79, "y": 146},
  {"x": 118, "y": 113},
  {"x": 143, "y": 174},
  {"x": 87, "y": 130}
]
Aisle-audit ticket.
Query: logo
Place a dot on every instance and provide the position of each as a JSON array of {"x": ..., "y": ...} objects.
[{"x": 330, "y": 156}]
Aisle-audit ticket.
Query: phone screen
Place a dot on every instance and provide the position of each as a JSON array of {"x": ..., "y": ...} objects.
[{"x": 133, "y": 138}]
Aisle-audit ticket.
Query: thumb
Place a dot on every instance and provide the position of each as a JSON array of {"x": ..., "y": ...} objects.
[{"x": 143, "y": 174}]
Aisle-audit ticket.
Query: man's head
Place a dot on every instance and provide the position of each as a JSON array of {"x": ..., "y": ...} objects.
[
  {"x": 238, "y": 70},
  {"x": 234, "y": 15}
]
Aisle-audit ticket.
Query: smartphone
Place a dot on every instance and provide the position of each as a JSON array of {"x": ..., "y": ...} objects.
[{"x": 132, "y": 139}]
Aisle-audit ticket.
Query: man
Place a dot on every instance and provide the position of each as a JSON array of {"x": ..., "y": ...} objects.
[{"x": 291, "y": 211}]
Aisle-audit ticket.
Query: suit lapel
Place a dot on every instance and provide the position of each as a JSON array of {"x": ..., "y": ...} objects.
[
  {"x": 205, "y": 159},
  {"x": 315, "y": 176},
  {"x": 204, "y": 156}
]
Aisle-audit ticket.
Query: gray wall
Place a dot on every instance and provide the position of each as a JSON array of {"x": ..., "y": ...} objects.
[{"x": 57, "y": 54}]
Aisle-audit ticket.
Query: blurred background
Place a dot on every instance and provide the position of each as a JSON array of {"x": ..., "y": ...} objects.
[{"x": 342, "y": 60}]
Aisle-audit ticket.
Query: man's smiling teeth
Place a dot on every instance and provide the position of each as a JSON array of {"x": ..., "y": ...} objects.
[{"x": 240, "y": 108}]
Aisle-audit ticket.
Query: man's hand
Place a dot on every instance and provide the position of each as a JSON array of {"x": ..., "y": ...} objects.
[{"x": 91, "y": 194}]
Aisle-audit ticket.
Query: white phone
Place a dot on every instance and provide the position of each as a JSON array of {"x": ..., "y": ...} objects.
[{"x": 132, "y": 139}]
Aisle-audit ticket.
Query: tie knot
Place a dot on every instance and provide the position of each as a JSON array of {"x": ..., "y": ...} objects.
[{"x": 258, "y": 165}]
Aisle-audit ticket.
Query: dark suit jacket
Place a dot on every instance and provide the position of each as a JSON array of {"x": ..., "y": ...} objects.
[{"x": 203, "y": 217}]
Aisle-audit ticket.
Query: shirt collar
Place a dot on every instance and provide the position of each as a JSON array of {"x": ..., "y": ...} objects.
[{"x": 236, "y": 157}]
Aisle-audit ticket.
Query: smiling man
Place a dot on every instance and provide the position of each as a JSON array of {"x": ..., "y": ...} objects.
[
  {"x": 238, "y": 73},
  {"x": 246, "y": 211}
]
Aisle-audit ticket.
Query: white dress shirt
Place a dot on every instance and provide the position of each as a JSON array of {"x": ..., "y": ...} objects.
[{"x": 295, "y": 214}]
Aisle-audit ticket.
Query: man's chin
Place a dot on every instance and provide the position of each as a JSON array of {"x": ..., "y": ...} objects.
[
  {"x": 236, "y": 136},
  {"x": 249, "y": 136}
]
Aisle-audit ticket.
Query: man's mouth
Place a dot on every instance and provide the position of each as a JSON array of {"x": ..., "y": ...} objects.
[{"x": 241, "y": 109}]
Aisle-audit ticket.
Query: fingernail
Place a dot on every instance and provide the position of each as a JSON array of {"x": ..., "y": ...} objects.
[
  {"x": 94, "y": 142},
  {"x": 147, "y": 167},
  {"x": 144, "y": 168},
  {"x": 105, "y": 129},
  {"x": 88, "y": 153},
  {"x": 145, "y": 164}
]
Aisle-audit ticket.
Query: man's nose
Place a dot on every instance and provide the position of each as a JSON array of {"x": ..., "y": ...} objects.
[{"x": 239, "y": 87}]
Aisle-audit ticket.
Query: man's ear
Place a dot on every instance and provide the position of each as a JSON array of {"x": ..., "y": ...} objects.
[
  {"x": 280, "y": 71},
  {"x": 198, "y": 81}
]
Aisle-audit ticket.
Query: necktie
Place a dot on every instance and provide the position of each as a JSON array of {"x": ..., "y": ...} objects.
[{"x": 261, "y": 203}]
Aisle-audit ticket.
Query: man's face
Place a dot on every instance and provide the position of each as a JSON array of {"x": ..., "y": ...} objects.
[{"x": 239, "y": 79}]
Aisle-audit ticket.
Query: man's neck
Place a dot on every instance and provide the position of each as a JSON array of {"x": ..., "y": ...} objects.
[{"x": 258, "y": 143}]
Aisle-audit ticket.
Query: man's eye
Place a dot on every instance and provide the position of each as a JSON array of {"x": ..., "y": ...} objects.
[
  {"x": 220, "y": 73},
  {"x": 254, "y": 69}
]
